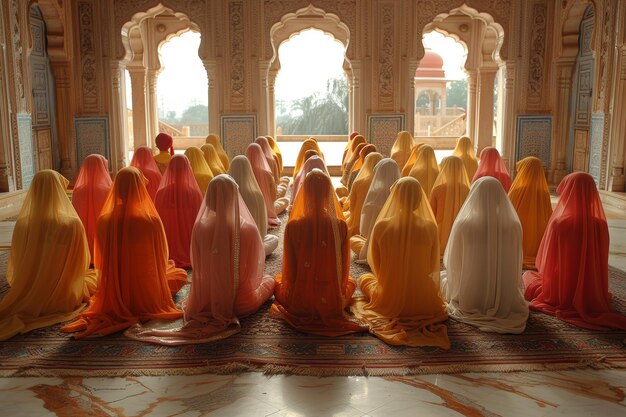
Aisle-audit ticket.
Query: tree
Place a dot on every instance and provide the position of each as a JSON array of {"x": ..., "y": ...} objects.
[
  {"x": 456, "y": 94},
  {"x": 198, "y": 113}
]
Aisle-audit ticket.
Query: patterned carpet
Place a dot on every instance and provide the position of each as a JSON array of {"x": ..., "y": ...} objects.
[{"x": 267, "y": 344}]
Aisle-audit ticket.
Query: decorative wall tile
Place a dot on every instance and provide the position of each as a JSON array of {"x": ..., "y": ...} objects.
[
  {"x": 25, "y": 139},
  {"x": 534, "y": 137},
  {"x": 237, "y": 132},
  {"x": 92, "y": 136},
  {"x": 595, "y": 146},
  {"x": 382, "y": 130}
]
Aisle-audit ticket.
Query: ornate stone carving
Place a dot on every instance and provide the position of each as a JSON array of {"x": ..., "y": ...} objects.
[
  {"x": 605, "y": 47},
  {"x": 16, "y": 152},
  {"x": 17, "y": 49},
  {"x": 87, "y": 56},
  {"x": 537, "y": 51},
  {"x": 385, "y": 58},
  {"x": 237, "y": 54}
]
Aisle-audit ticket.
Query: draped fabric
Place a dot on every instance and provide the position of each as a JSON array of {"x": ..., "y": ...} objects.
[
  {"x": 144, "y": 161},
  {"x": 241, "y": 171},
  {"x": 572, "y": 281},
  {"x": 464, "y": 149},
  {"x": 359, "y": 190},
  {"x": 483, "y": 278},
  {"x": 356, "y": 167},
  {"x": 402, "y": 147},
  {"x": 165, "y": 144},
  {"x": 354, "y": 156},
  {"x": 425, "y": 169},
  {"x": 90, "y": 191},
  {"x": 136, "y": 279},
  {"x": 448, "y": 195},
  {"x": 214, "y": 140},
  {"x": 276, "y": 151},
  {"x": 310, "y": 164},
  {"x": 315, "y": 287},
  {"x": 228, "y": 280},
  {"x": 201, "y": 170},
  {"x": 48, "y": 271},
  {"x": 212, "y": 159},
  {"x": 353, "y": 153},
  {"x": 531, "y": 199},
  {"x": 177, "y": 202},
  {"x": 348, "y": 147},
  {"x": 401, "y": 303},
  {"x": 310, "y": 143},
  {"x": 386, "y": 173},
  {"x": 282, "y": 183},
  {"x": 265, "y": 179},
  {"x": 406, "y": 169},
  {"x": 492, "y": 165}
]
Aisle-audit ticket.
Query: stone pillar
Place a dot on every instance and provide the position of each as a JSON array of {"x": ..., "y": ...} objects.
[
  {"x": 355, "y": 110},
  {"x": 484, "y": 117},
  {"x": 560, "y": 127},
  {"x": 509, "y": 119},
  {"x": 118, "y": 118},
  {"x": 472, "y": 106},
  {"x": 62, "y": 71},
  {"x": 616, "y": 179},
  {"x": 214, "y": 108},
  {"x": 140, "y": 118},
  {"x": 152, "y": 107},
  {"x": 7, "y": 180}
]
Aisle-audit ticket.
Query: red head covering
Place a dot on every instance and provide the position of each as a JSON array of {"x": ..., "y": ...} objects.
[
  {"x": 165, "y": 142},
  {"x": 265, "y": 178},
  {"x": 144, "y": 161},
  {"x": 178, "y": 201},
  {"x": 492, "y": 165}
]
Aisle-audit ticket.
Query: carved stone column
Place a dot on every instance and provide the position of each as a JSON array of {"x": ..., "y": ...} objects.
[
  {"x": 140, "y": 121},
  {"x": 356, "y": 109},
  {"x": 472, "y": 105},
  {"x": 616, "y": 179},
  {"x": 7, "y": 181},
  {"x": 409, "y": 126},
  {"x": 152, "y": 108},
  {"x": 564, "y": 72},
  {"x": 62, "y": 71},
  {"x": 484, "y": 118},
  {"x": 214, "y": 108},
  {"x": 119, "y": 118},
  {"x": 509, "y": 114}
]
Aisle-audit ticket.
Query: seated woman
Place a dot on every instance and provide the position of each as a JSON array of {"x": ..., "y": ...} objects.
[
  {"x": 356, "y": 167},
  {"x": 406, "y": 169},
  {"x": 492, "y": 165},
  {"x": 48, "y": 271},
  {"x": 531, "y": 199},
  {"x": 241, "y": 171},
  {"x": 448, "y": 195},
  {"x": 278, "y": 156},
  {"x": 345, "y": 176},
  {"x": 351, "y": 146},
  {"x": 212, "y": 159},
  {"x": 401, "y": 303},
  {"x": 402, "y": 147},
  {"x": 313, "y": 162},
  {"x": 425, "y": 169},
  {"x": 136, "y": 280},
  {"x": 177, "y": 202},
  {"x": 165, "y": 144},
  {"x": 483, "y": 278},
  {"x": 315, "y": 287},
  {"x": 265, "y": 179},
  {"x": 354, "y": 203},
  {"x": 464, "y": 149},
  {"x": 282, "y": 183},
  {"x": 144, "y": 161},
  {"x": 214, "y": 140},
  {"x": 308, "y": 144},
  {"x": 200, "y": 168},
  {"x": 90, "y": 191},
  {"x": 386, "y": 173},
  {"x": 228, "y": 280},
  {"x": 573, "y": 279}
]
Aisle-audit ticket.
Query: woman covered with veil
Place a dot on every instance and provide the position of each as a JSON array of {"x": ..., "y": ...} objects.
[
  {"x": 464, "y": 149},
  {"x": 228, "y": 259},
  {"x": 144, "y": 161},
  {"x": 492, "y": 165},
  {"x": 315, "y": 288},
  {"x": 212, "y": 159},
  {"x": 201, "y": 170},
  {"x": 483, "y": 278},
  {"x": 402, "y": 304},
  {"x": 402, "y": 148},
  {"x": 425, "y": 169},
  {"x": 354, "y": 203},
  {"x": 311, "y": 163},
  {"x": 282, "y": 183},
  {"x": 214, "y": 140}
]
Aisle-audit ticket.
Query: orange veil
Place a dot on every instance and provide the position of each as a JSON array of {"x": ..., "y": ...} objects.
[{"x": 144, "y": 161}]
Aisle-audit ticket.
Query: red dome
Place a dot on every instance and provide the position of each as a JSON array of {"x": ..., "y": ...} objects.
[{"x": 431, "y": 66}]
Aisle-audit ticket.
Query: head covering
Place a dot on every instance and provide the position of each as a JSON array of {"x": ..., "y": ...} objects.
[
  {"x": 228, "y": 261},
  {"x": 144, "y": 161},
  {"x": 310, "y": 164},
  {"x": 200, "y": 168},
  {"x": 354, "y": 170},
  {"x": 405, "y": 307},
  {"x": 315, "y": 286},
  {"x": 448, "y": 195},
  {"x": 241, "y": 171},
  {"x": 177, "y": 202},
  {"x": 310, "y": 143},
  {"x": 214, "y": 140},
  {"x": 350, "y": 149},
  {"x": 269, "y": 157},
  {"x": 530, "y": 197},
  {"x": 492, "y": 165},
  {"x": 276, "y": 151},
  {"x": 265, "y": 179},
  {"x": 425, "y": 168},
  {"x": 572, "y": 281},
  {"x": 483, "y": 260},
  {"x": 464, "y": 149},
  {"x": 417, "y": 149},
  {"x": 165, "y": 143},
  {"x": 359, "y": 190},
  {"x": 91, "y": 189},
  {"x": 212, "y": 159},
  {"x": 386, "y": 173},
  {"x": 136, "y": 280},
  {"x": 48, "y": 262},
  {"x": 402, "y": 147}
]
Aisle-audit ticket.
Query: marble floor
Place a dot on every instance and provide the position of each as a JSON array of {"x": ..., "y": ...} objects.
[{"x": 585, "y": 392}]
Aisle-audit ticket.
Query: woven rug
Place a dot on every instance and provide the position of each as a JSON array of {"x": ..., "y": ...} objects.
[{"x": 267, "y": 344}]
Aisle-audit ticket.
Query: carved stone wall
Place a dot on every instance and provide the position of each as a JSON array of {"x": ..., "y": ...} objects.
[
  {"x": 537, "y": 54},
  {"x": 237, "y": 56}
]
